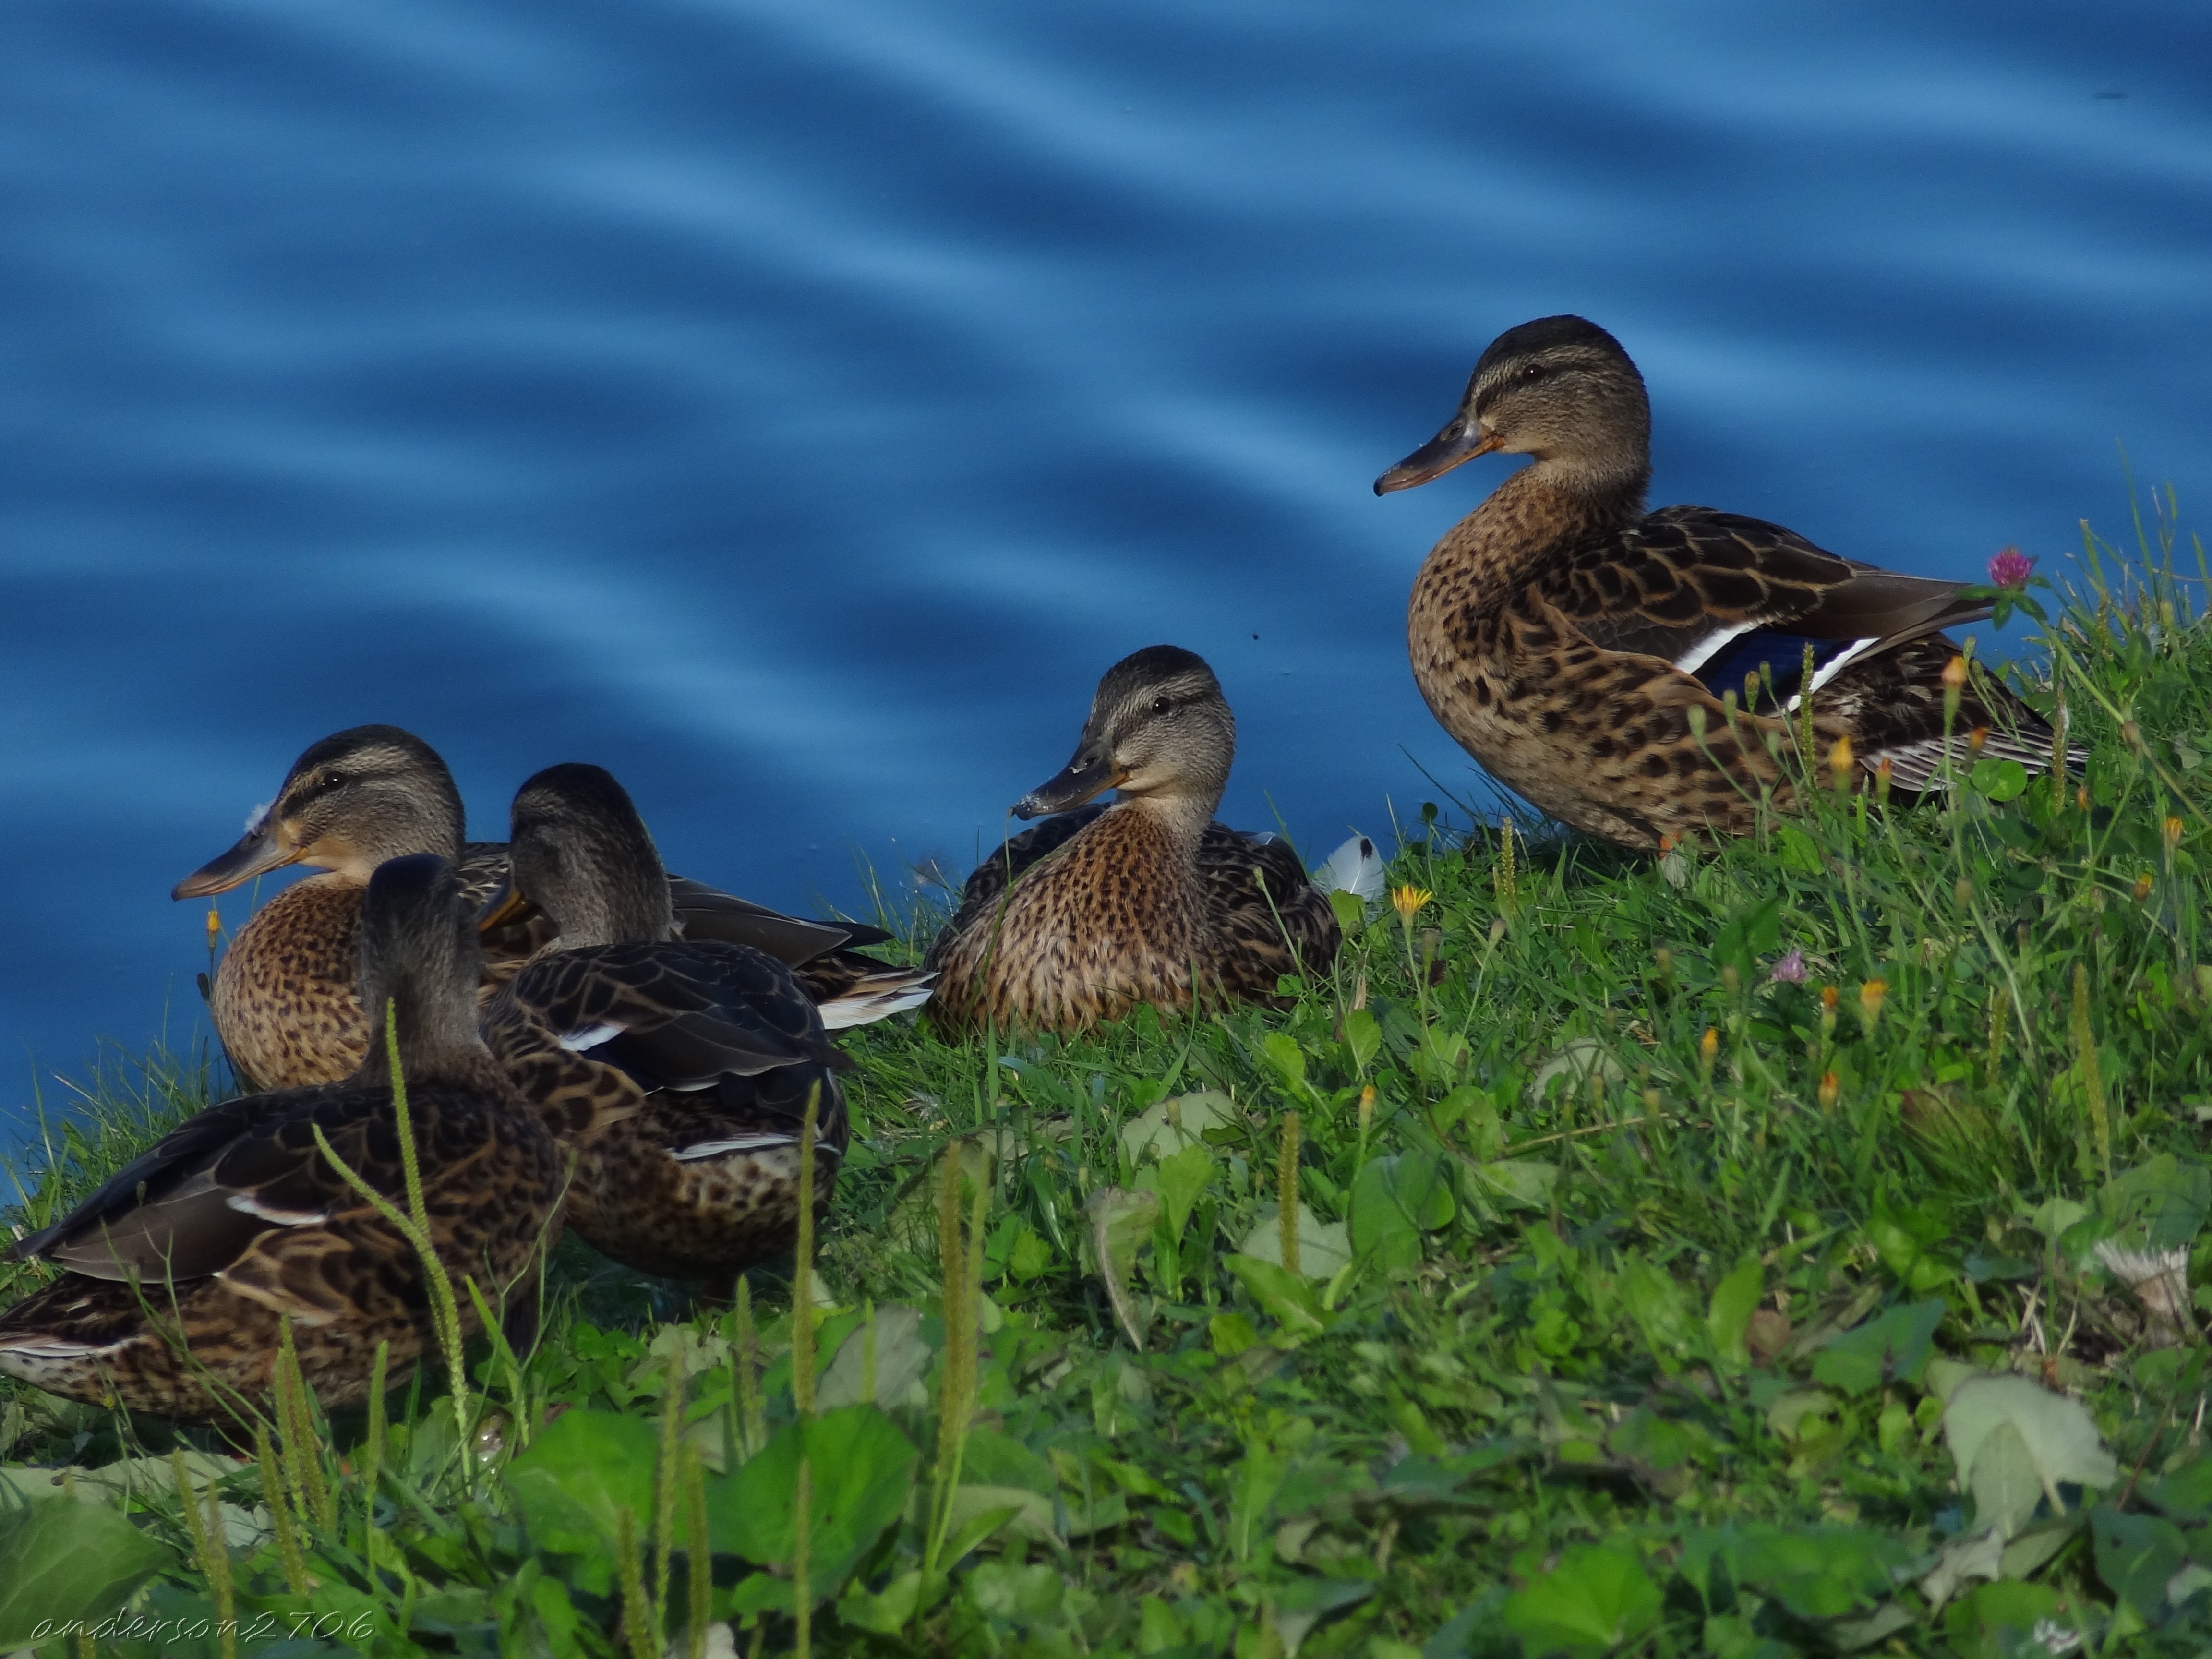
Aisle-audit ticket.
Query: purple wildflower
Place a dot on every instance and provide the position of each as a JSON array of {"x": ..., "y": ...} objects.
[
  {"x": 1790, "y": 969},
  {"x": 2010, "y": 567}
]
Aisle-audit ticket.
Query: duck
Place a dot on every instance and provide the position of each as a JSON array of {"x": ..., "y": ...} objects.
[
  {"x": 177, "y": 1276},
  {"x": 283, "y": 995},
  {"x": 1637, "y": 674},
  {"x": 680, "y": 1071},
  {"x": 1146, "y": 899}
]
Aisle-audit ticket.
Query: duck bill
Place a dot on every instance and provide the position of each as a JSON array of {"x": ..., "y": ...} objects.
[
  {"x": 1090, "y": 773},
  {"x": 506, "y": 904},
  {"x": 258, "y": 850},
  {"x": 1462, "y": 441}
]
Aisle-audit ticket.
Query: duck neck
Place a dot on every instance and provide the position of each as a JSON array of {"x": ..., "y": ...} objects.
[
  {"x": 1181, "y": 817},
  {"x": 1541, "y": 510},
  {"x": 438, "y": 1039}
]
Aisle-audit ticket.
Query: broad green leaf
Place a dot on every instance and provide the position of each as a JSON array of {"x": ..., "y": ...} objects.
[
  {"x": 1281, "y": 1051},
  {"x": 1291, "y": 1301},
  {"x": 902, "y": 1360},
  {"x": 1396, "y": 1200},
  {"x": 1323, "y": 1247},
  {"x": 1363, "y": 1037},
  {"x": 1299, "y": 1604},
  {"x": 2187, "y": 1493},
  {"x": 1120, "y": 1225},
  {"x": 1735, "y": 1299},
  {"x": 1819, "y": 1573},
  {"x": 1571, "y": 1065},
  {"x": 1183, "y": 1179},
  {"x": 1894, "y": 1347},
  {"x": 1659, "y": 1308},
  {"x": 1798, "y": 851},
  {"x": 2012, "y": 1441},
  {"x": 1751, "y": 934},
  {"x": 2137, "y": 1555},
  {"x": 1978, "y": 1556},
  {"x": 861, "y": 1469},
  {"x": 1175, "y": 1124},
  {"x": 573, "y": 1477},
  {"x": 1999, "y": 780},
  {"x": 1515, "y": 1184},
  {"x": 2158, "y": 1206},
  {"x": 1597, "y": 1599},
  {"x": 60, "y": 1561}
]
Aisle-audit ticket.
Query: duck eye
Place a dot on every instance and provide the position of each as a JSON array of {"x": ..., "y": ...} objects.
[
  {"x": 1162, "y": 705},
  {"x": 1531, "y": 373},
  {"x": 332, "y": 779}
]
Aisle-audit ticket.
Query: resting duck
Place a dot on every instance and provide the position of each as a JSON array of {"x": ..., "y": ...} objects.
[
  {"x": 1147, "y": 900},
  {"x": 1565, "y": 637},
  {"x": 178, "y": 1271},
  {"x": 680, "y": 1070},
  {"x": 283, "y": 995}
]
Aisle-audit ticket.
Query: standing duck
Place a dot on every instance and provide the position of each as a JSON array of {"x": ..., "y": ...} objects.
[
  {"x": 679, "y": 1069},
  {"x": 283, "y": 995},
  {"x": 1147, "y": 900},
  {"x": 1574, "y": 644},
  {"x": 177, "y": 1273}
]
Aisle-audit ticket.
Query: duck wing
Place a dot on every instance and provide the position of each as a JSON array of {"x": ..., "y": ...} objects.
[
  {"x": 706, "y": 913},
  {"x": 1265, "y": 909},
  {"x": 675, "y": 1015},
  {"x": 1717, "y": 595},
  {"x": 198, "y": 1201}
]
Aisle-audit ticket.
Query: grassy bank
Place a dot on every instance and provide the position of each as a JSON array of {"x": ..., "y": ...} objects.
[{"x": 1792, "y": 1247}]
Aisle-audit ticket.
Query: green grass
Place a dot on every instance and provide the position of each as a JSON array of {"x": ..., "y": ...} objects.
[{"x": 1643, "y": 1296}]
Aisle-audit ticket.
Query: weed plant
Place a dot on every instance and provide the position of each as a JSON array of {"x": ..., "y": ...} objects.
[{"x": 1791, "y": 1246}]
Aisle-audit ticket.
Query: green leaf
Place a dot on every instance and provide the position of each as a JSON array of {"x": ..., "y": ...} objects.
[
  {"x": 2137, "y": 1555},
  {"x": 860, "y": 1470},
  {"x": 1819, "y": 1573},
  {"x": 576, "y": 1474},
  {"x": 1184, "y": 1178},
  {"x": 1363, "y": 1037},
  {"x": 2165, "y": 1201},
  {"x": 1281, "y": 1051},
  {"x": 1749, "y": 935},
  {"x": 1323, "y": 1248},
  {"x": 61, "y": 1560},
  {"x": 1176, "y": 1125},
  {"x": 1396, "y": 1200},
  {"x": 2014, "y": 1442},
  {"x": 1596, "y": 1600},
  {"x": 1120, "y": 1225},
  {"x": 1291, "y": 1301},
  {"x": 1735, "y": 1299},
  {"x": 1999, "y": 780},
  {"x": 1800, "y": 853},
  {"x": 1350, "y": 912},
  {"x": 1515, "y": 1184},
  {"x": 902, "y": 1359},
  {"x": 2187, "y": 1493},
  {"x": 1895, "y": 1347}
]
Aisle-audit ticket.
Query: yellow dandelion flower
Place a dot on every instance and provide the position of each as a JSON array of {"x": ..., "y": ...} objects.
[
  {"x": 1407, "y": 901},
  {"x": 1870, "y": 1000}
]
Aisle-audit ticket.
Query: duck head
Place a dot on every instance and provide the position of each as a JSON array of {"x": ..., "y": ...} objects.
[
  {"x": 1159, "y": 728},
  {"x": 419, "y": 957},
  {"x": 352, "y": 801},
  {"x": 1560, "y": 389},
  {"x": 578, "y": 851}
]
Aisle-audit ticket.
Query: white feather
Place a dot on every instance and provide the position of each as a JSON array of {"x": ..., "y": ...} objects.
[
  {"x": 1356, "y": 868},
  {"x": 257, "y": 817},
  {"x": 589, "y": 1037},
  {"x": 1702, "y": 652},
  {"x": 863, "y": 1007},
  {"x": 245, "y": 1203},
  {"x": 752, "y": 1143},
  {"x": 1828, "y": 670}
]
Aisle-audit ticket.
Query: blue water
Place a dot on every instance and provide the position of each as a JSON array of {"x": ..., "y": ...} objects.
[{"x": 795, "y": 406}]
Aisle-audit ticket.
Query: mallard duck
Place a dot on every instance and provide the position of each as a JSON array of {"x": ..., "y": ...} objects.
[
  {"x": 1574, "y": 643},
  {"x": 679, "y": 1069},
  {"x": 283, "y": 995},
  {"x": 1147, "y": 900},
  {"x": 178, "y": 1272}
]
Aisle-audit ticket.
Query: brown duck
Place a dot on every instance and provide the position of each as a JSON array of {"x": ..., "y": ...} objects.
[
  {"x": 680, "y": 1070},
  {"x": 283, "y": 995},
  {"x": 178, "y": 1272},
  {"x": 1574, "y": 644},
  {"x": 1147, "y": 900}
]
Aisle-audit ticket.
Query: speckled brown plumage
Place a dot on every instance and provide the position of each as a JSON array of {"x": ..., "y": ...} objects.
[
  {"x": 1574, "y": 644},
  {"x": 679, "y": 1071},
  {"x": 178, "y": 1271},
  {"x": 1147, "y": 901}
]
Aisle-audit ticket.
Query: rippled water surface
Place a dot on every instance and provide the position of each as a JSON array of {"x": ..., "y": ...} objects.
[{"x": 795, "y": 406}]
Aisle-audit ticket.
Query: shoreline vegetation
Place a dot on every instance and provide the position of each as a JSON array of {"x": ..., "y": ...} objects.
[{"x": 1791, "y": 1246}]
